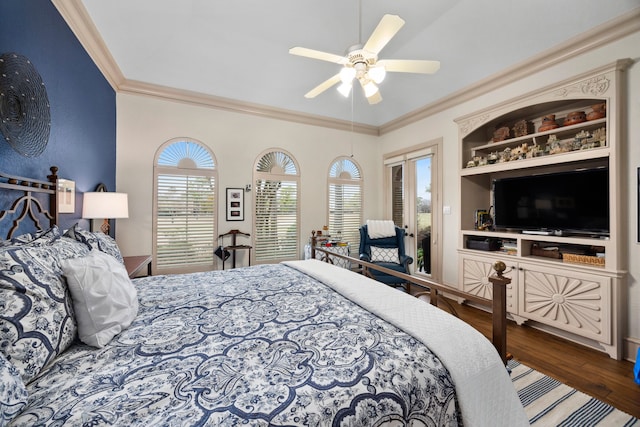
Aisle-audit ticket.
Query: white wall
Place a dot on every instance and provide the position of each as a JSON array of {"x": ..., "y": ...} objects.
[
  {"x": 145, "y": 123},
  {"x": 443, "y": 125}
]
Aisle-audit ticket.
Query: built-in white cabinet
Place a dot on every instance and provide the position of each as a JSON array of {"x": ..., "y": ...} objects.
[{"x": 567, "y": 284}]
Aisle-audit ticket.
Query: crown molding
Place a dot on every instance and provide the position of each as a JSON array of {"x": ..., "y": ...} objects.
[
  {"x": 600, "y": 35},
  {"x": 81, "y": 24},
  {"x": 78, "y": 19},
  {"x": 227, "y": 104}
]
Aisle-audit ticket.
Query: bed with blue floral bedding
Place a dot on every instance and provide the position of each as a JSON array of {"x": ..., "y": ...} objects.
[{"x": 295, "y": 344}]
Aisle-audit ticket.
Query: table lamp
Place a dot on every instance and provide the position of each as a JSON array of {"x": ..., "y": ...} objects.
[{"x": 105, "y": 205}]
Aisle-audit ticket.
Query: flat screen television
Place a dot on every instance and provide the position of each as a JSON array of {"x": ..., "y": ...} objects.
[{"x": 573, "y": 202}]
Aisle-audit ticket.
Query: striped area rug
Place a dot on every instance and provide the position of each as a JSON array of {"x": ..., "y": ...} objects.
[{"x": 549, "y": 402}]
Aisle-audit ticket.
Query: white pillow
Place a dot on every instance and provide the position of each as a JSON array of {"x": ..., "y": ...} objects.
[
  {"x": 104, "y": 299},
  {"x": 384, "y": 254}
]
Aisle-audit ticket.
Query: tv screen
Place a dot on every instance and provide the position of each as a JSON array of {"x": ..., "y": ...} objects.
[{"x": 574, "y": 202}]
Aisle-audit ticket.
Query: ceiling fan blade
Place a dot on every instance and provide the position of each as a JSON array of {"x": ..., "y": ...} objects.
[
  {"x": 316, "y": 54},
  {"x": 323, "y": 86},
  {"x": 386, "y": 29},
  {"x": 410, "y": 66}
]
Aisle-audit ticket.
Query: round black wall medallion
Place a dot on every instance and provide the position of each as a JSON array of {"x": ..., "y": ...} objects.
[{"x": 25, "y": 119}]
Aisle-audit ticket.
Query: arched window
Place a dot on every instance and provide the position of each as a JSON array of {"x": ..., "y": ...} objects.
[
  {"x": 276, "y": 221},
  {"x": 345, "y": 200},
  {"x": 185, "y": 207}
]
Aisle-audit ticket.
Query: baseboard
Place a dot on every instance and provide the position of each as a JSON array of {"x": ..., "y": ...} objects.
[{"x": 631, "y": 346}]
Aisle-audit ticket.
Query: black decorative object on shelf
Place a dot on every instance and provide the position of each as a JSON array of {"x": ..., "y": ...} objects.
[{"x": 25, "y": 118}]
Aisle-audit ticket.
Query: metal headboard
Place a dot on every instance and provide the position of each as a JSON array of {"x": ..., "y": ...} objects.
[{"x": 26, "y": 204}]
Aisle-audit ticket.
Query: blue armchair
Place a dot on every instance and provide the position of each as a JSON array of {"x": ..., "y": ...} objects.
[{"x": 387, "y": 252}]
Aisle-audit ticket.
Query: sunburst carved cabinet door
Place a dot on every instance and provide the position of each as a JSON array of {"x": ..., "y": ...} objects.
[
  {"x": 475, "y": 273},
  {"x": 573, "y": 301}
]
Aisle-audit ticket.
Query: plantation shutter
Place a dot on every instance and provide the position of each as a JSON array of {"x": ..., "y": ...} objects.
[
  {"x": 276, "y": 208},
  {"x": 185, "y": 209},
  {"x": 345, "y": 201},
  {"x": 397, "y": 195}
]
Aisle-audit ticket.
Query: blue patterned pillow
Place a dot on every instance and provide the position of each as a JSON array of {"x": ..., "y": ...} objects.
[
  {"x": 98, "y": 241},
  {"x": 82, "y": 235},
  {"x": 36, "y": 309},
  {"x": 13, "y": 393},
  {"x": 42, "y": 237}
]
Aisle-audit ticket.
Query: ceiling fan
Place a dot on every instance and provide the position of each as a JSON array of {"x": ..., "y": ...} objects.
[{"x": 361, "y": 62}]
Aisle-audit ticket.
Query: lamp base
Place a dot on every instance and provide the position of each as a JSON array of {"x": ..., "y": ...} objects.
[{"x": 105, "y": 227}]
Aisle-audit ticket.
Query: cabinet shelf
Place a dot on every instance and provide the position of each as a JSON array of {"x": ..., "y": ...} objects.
[
  {"x": 561, "y": 131},
  {"x": 563, "y": 143},
  {"x": 554, "y": 159}
]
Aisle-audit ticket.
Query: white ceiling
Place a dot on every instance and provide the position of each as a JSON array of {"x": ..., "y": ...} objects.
[{"x": 239, "y": 49}]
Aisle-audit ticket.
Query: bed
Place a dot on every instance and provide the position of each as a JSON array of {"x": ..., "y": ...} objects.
[{"x": 300, "y": 343}]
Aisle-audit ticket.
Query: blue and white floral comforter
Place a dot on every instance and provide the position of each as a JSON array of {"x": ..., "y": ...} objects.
[{"x": 264, "y": 345}]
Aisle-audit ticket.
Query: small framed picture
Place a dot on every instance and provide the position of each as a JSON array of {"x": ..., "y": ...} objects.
[
  {"x": 235, "y": 204},
  {"x": 66, "y": 196}
]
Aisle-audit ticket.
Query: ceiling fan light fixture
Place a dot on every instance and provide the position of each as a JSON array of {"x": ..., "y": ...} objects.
[
  {"x": 347, "y": 75},
  {"x": 344, "y": 89},
  {"x": 370, "y": 89},
  {"x": 377, "y": 73},
  {"x": 361, "y": 62}
]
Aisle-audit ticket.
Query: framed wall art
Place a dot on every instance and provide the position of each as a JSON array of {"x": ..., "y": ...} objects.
[
  {"x": 66, "y": 196},
  {"x": 235, "y": 204}
]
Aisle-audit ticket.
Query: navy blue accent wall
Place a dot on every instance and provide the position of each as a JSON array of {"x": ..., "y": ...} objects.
[{"x": 82, "y": 141}]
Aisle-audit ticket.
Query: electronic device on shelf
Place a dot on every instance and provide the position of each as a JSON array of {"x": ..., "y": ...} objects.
[{"x": 557, "y": 204}]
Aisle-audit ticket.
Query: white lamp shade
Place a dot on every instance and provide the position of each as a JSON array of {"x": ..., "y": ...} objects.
[
  {"x": 347, "y": 74},
  {"x": 105, "y": 205},
  {"x": 344, "y": 89},
  {"x": 370, "y": 89},
  {"x": 377, "y": 73}
]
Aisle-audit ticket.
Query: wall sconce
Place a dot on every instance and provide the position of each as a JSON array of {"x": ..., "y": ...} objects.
[
  {"x": 105, "y": 205},
  {"x": 66, "y": 196}
]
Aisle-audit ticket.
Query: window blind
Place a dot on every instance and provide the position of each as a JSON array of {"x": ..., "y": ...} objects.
[
  {"x": 185, "y": 231},
  {"x": 276, "y": 220}
]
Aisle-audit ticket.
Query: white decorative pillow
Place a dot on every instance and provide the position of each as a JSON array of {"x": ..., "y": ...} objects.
[
  {"x": 13, "y": 393},
  {"x": 384, "y": 254},
  {"x": 104, "y": 299}
]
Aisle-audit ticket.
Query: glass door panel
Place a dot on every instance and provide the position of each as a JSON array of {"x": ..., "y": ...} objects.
[{"x": 422, "y": 214}]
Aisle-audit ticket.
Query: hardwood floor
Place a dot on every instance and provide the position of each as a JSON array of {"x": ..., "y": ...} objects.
[{"x": 582, "y": 368}]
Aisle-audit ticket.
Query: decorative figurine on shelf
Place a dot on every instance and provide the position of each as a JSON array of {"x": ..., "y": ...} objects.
[
  {"x": 505, "y": 155},
  {"x": 580, "y": 140},
  {"x": 501, "y": 134},
  {"x": 599, "y": 137},
  {"x": 522, "y": 128},
  {"x": 599, "y": 111},
  {"x": 548, "y": 123},
  {"x": 534, "y": 151},
  {"x": 553, "y": 145},
  {"x": 574, "y": 118}
]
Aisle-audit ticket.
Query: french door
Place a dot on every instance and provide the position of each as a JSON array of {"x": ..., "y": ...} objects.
[{"x": 413, "y": 203}]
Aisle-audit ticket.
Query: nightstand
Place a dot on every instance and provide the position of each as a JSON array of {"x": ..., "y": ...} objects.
[{"x": 135, "y": 264}]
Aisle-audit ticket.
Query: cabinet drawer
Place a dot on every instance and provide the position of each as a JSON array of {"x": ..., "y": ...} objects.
[
  {"x": 572, "y": 301},
  {"x": 475, "y": 272}
]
